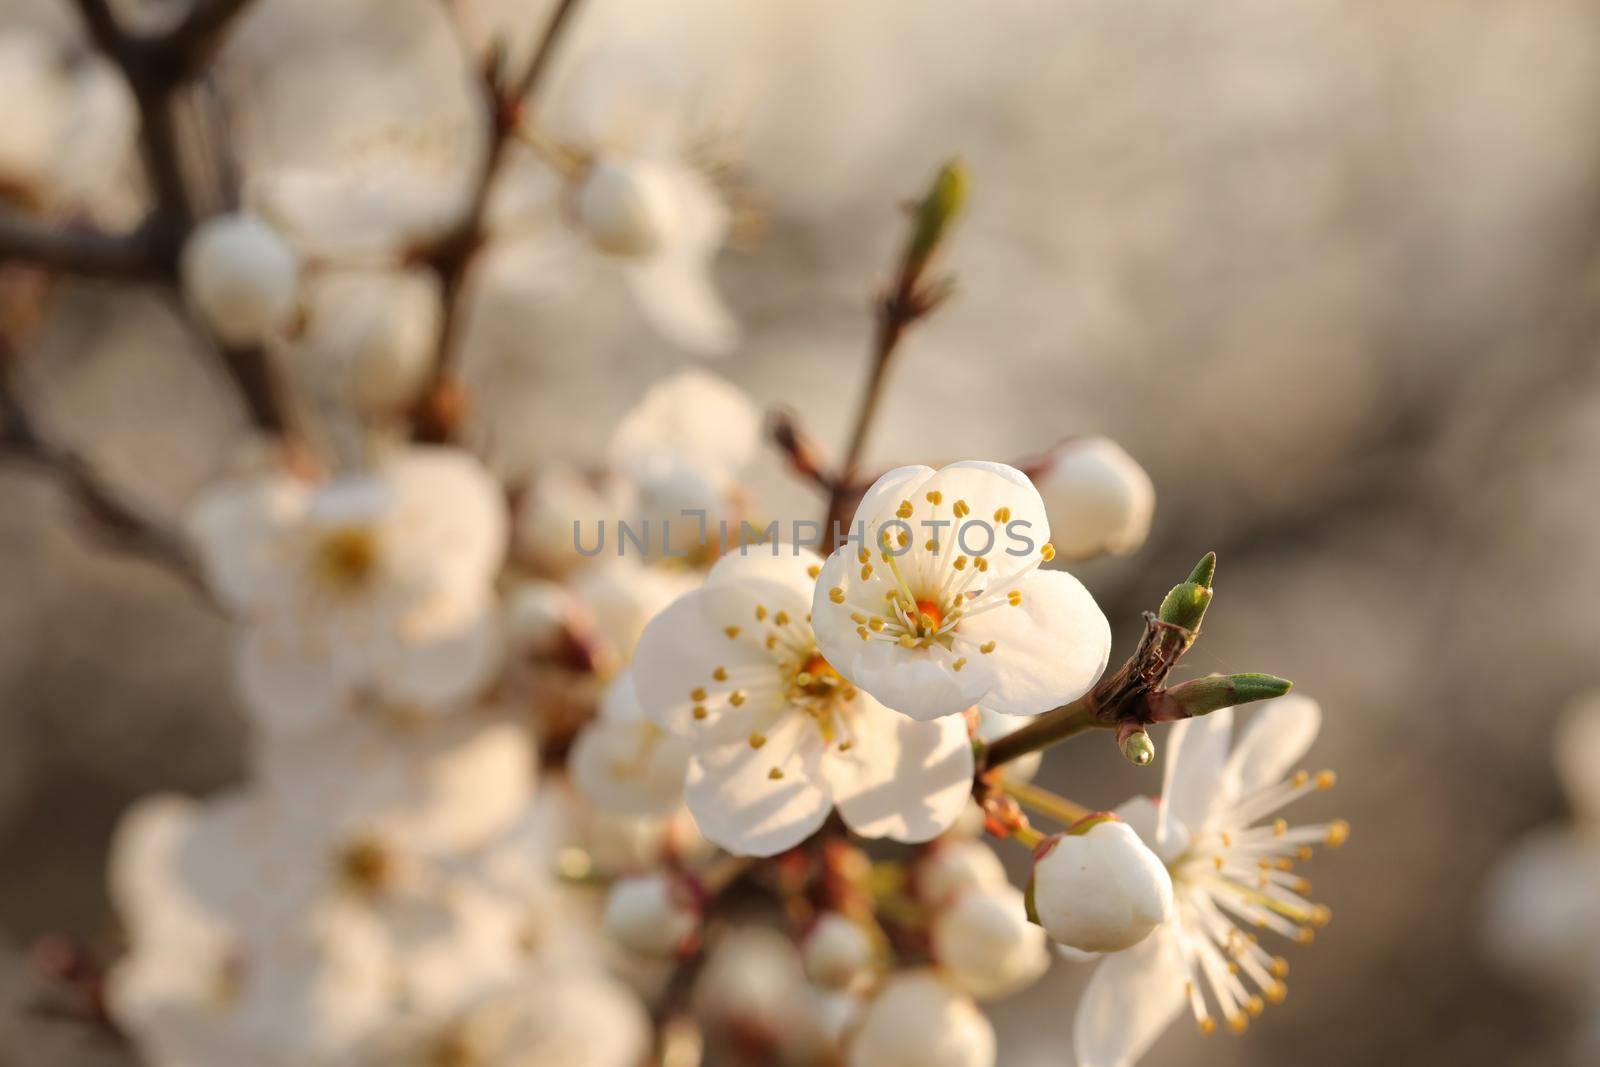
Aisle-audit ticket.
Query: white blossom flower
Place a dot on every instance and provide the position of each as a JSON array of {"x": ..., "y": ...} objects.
[
  {"x": 70, "y": 123},
  {"x": 954, "y": 866},
  {"x": 1231, "y": 874},
  {"x": 368, "y": 337},
  {"x": 625, "y": 762},
  {"x": 1541, "y": 914},
  {"x": 919, "y": 1020},
  {"x": 571, "y": 1018},
  {"x": 1098, "y": 497},
  {"x": 241, "y": 277},
  {"x": 778, "y": 738},
  {"x": 941, "y": 604},
  {"x": 636, "y": 198},
  {"x": 754, "y": 984},
  {"x": 651, "y": 914},
  {"x": 985, "y": 944},
  {"x": 373, "y": 585},
  {"x": 836, "y": 951},
  {"x": 1099, "y": 888}
]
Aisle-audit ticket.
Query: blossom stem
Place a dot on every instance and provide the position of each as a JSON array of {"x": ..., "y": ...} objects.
[
  {"x": 1027, "y": 837},
  {"x": 1051, "y": 728},
  {"x": 1044, "y": 802}
]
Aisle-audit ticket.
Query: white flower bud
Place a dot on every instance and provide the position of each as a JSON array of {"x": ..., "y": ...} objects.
[
  {"x": 985, "y": 942},
  {"x": 650, "y": 914},
  {"x": 374, "y": 335},
  {"x": 919, "y": 1020},
  {"x": 241, "y": 277},
  {"x": 1097, "y": 497},
  {"x": 836, "y": 951},
  {"x": 954, "y": 866},
  {"x": 1099, "y": 889},
  {"x": 626, "y": 208}
]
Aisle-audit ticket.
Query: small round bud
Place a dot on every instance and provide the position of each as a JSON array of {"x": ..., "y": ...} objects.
[
  {"x": 920, "y": 1020},
  {"x": 650, "y": 914},
  {"x": 626, "y": 208},
  {"x": 1097, "y": 497},
  {"x": 1098, "y": 888},
  {"x": 985, "y": 942},
  {"x": 836, "y": 951},
  {"x": 241, "y": 277},
  {"x": 954, "y": 866}
]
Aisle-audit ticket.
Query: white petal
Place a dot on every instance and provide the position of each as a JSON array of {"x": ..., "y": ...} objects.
[
  {"x": 1048, "y": 650},
  {"x": 778, "y": 562},
  {"x": 678, "y": 296},
  {"x": 288, "y": 681},
  {"x": 682, "y": 647},
  {"x": 435, "y": 658},
  {"x": 986, "y": 488},
  {"x": 450, "y": 516},
  {"x": 622, "y": 596},
  {"x": 1279, "y": 733},
  {"x": 1132, "y": 997},
  {"x": 625, "y": 763},
  {"x": 1144, "y": 816},
  {"x": 884, "y": 495},
  {"x": 901, "y": 779},
  {"x": 694, "y": 416},
  {"x": 920, "y": 682},
  {"x": 238, "y": 526},
  {"x": 1197, "y": 751},
  {"x": 738, "y": 805}
]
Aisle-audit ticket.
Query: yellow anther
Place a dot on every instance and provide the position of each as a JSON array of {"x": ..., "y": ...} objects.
[
  {"x": 846, "y": 746},
  {"x": 1216, "y": 861},
  {"x": 1280, "y": 827},
  {"x": 986, "y": 648},
  {"x": 1299, "y": 779},
  {"x": 876, "y": 623},
  {"x": 863, "y": 556},
  {"x": 1238, "y": 1024},
  {"x": 960, "y": 563},
  {"x": 904, "y": 510},
  {"x": 736, "y": 698},
  {"x": 1002, "y": 514},
  {"x": 757, "y": 740},
  {"x": 697, "y": 694},
  {"x": 982, "y": 564},
  {"x": 1047, "y": 552},
  {"x": 775, "y": 774},
  {"x": 863, "y": 633},
  {"x": 1321, "y": 915},
  {"x": 1276, "y": 992},
  {"x": 761, "y": 612},
  {"x": 935, "y": 497},
  {"x": 1326, "y": 779},
  {"x": 771, "y": 642},
  {"x": 1280, "y": 967},
  {"x": 700, "y": 711},
  {"x": 932, "y": 544},
  {"x": 958, "y": 664},
  {"x": 907, "y": 641},
  {"x": 814, "y": 570},
  {"x": 1302, "y": 886},
  {"x": 1306, "y": 935},
  {"x": 866, "y": 571},
  {"x": 858, "y": 618},
  {"x": 1304, "y": 854},
  {"x": 1208, "y": 1026},
  {"x": 836, "y": 594},
  {"x": 720, "y": 674},
  {"x": 961, "y": 509},
  {"x": 1014, "y": 598},
  {"x": 731, "y": 631},
  {"x": 903, "y": 539},
  {"x": 1254, "y": 1005},
  {"x": 1338, "y": 833}
]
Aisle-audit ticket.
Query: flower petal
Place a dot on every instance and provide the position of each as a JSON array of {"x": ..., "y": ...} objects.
[
  {"x": 695, "y": 417},
  {"x": 1133, "y": 996},
  {"x": 901, "y": 779},
  {"x": 625, "y": 763},
  {"x": 1278, "y": 735},
  {"x": 237, "y": 526},
  {"x": 885, "y": 494},
  {"x": 450, "y": 516},
  {"x": 779, "y": 562},
  {"x": 434, "y": 658},
  {"x": 677, "y": 295},
  {"x": 1144, "y": 816},
  {"x": 1048, "y": 650},
  {"x": 739, "y": 805},
  {"x": 1197, "y": 750},
  {"x": 288, "y": 681}
]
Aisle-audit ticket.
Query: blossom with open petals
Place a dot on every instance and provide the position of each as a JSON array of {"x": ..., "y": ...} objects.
[
  {"x": 625, "y": 762},
  {"x": 937, "y": 603},
  {"x": 1232, "y": 874},
  {"x": 372, "y": 585},
  {"x": 778, "y": 737}
]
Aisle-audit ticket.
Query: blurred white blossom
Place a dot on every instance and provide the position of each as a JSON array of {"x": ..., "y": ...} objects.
[{"x": 241, "y": 277}]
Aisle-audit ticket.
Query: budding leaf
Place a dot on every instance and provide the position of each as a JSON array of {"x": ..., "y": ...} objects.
[
  {"x": 1186, "y": 604},
  {"x": 945, "y": 199},
  {"x": 1201, "y": 696},
  {"x": 1205, "y": 570}
]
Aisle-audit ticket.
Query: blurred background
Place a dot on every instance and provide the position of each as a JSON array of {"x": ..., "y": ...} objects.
[{"x": 1326, "y": 268}]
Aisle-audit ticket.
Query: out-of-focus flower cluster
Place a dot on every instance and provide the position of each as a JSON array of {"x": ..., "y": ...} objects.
[{"x": 563, "y": 765}]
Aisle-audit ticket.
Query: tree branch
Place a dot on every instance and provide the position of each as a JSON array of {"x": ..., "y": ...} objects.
[{"x": 74, "y": 248}]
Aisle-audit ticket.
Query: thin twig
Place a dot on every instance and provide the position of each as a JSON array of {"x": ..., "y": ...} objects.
[
  {"x": 21, "y": 437},
  {"x": 74, "y": 248},
  {"x": 439, "y": 412}
]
